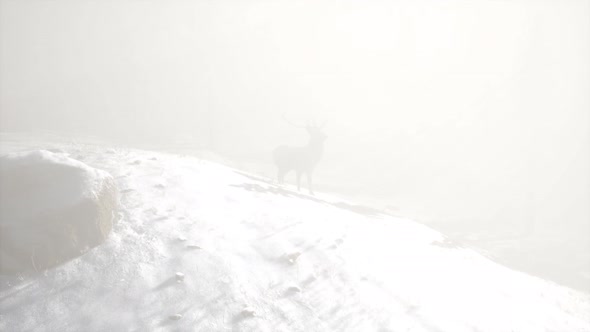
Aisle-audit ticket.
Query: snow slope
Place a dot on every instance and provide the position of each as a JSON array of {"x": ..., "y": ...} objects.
[{"x": 251, "y": 256}]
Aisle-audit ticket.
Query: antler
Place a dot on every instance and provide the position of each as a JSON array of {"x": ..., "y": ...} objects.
[
  {"x": 308, "y": 124},
  {"x": 315, "y": 124},
  {"x": 292, "y": 124}
]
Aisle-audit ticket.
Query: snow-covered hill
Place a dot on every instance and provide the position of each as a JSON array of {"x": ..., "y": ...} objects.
[{"x": 202, "y": 247}]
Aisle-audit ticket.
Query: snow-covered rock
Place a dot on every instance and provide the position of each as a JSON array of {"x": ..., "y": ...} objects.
[{"x": 52, "y": 208}]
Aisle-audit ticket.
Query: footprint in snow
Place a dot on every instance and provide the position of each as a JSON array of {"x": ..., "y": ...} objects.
[
  {"x": 292, "y": 257},
  {"x": 412, "y": 308},
  {"x": 309, "y": 280},
  {"x": 175, "y": 317},
  {"x": 337, "y": 243},
  {"x": 246, "y": 313},
  {"x": 292, "y": 291}
]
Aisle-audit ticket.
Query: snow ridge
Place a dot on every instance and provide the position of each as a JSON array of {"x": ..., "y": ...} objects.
[{"x": 200, "y": 246}]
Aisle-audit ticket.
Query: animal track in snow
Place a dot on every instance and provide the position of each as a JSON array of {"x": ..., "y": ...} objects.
[
  {"x": 292, "y": 257},
  {"x": 248, "y": 312},
  {"x": 292, "y": 290},
  {"x": 175, "y": 317}
]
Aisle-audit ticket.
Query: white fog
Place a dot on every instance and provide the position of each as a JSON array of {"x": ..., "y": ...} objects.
[{"x": 469, "y": 119}]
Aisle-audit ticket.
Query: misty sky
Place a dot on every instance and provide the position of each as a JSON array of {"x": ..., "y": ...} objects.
[{"x": 457, "y": 109}]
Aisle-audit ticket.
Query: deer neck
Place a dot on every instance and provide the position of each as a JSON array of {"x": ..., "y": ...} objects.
[{"x": 316, "y": 148}]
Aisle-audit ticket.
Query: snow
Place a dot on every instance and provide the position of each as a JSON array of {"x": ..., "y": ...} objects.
[{"x": 201, "y": 246}]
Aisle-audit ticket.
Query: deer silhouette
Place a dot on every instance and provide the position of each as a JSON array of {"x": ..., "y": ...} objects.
[{"x": 302, "y": 159}]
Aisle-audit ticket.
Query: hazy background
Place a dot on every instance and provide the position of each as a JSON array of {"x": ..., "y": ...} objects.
[{"x": 467, "y": 112}]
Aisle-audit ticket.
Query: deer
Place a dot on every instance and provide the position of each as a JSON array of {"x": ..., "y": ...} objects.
[{"x": 302, "y": 159}]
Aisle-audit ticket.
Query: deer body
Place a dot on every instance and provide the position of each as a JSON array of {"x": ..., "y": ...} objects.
[{"x": 300, "y": 159}]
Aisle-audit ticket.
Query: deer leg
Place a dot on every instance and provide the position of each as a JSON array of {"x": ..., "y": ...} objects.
[
  {"x": 309, "y": 184},
  {"x": 280, "y": 176},
  {"x": 298, "y": 180}
]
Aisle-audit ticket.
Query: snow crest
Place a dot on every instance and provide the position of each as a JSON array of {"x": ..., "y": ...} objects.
[{"x": 202, "y": 247}]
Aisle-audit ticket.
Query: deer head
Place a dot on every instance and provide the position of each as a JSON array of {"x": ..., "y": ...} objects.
[{"x": 315, "y": 132}]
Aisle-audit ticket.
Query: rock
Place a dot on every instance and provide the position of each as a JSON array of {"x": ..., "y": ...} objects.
[
  {"x": 52, "y": 209},
  {"x": 179, "y": 277}
]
